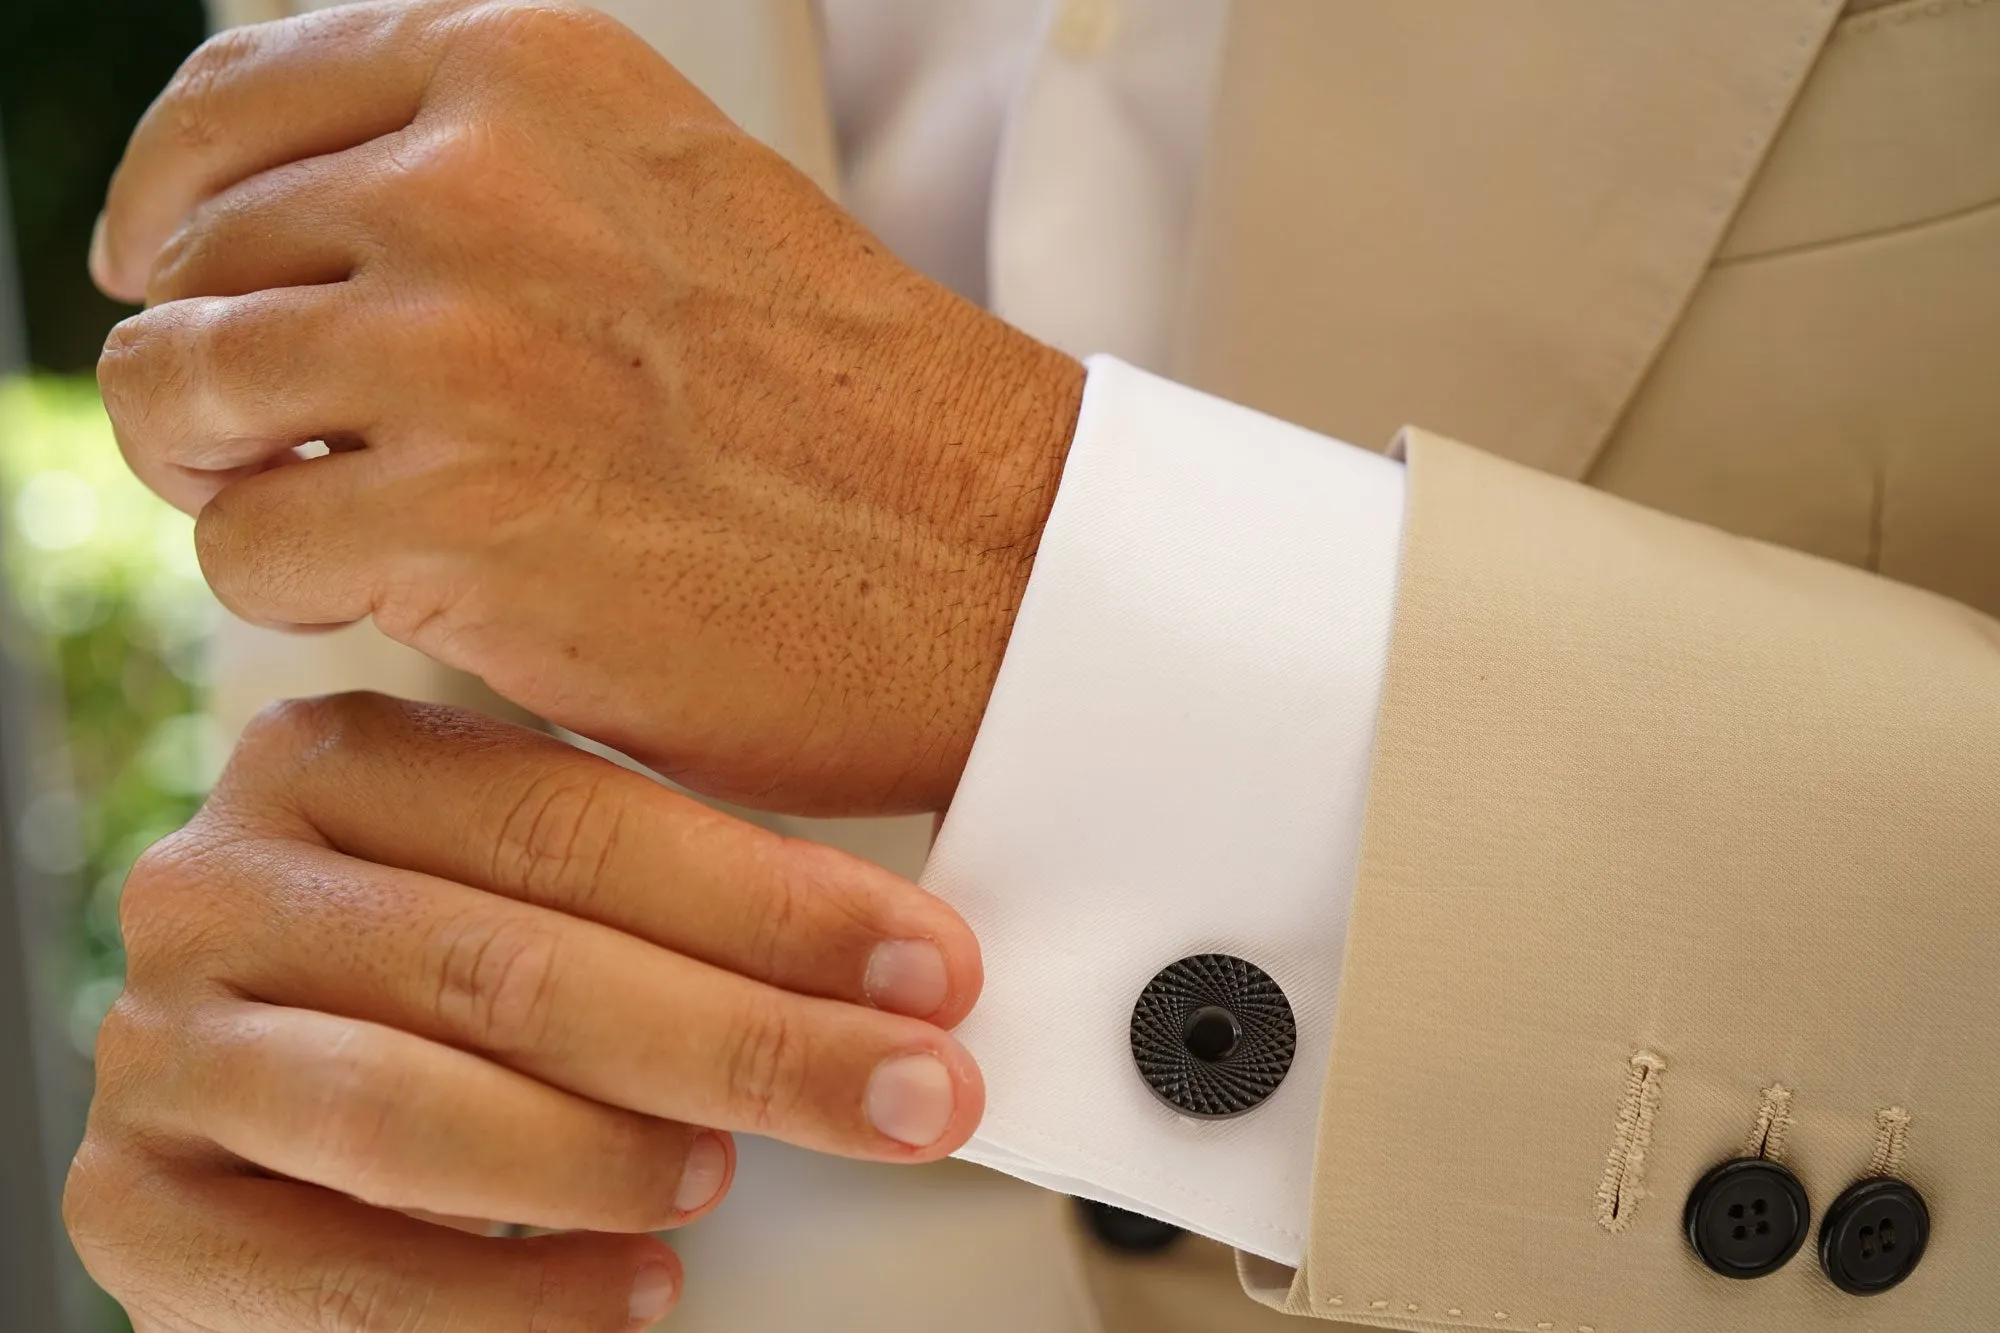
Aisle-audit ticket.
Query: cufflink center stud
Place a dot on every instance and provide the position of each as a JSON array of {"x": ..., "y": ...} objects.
[{"x": 1211, "y": 1033}]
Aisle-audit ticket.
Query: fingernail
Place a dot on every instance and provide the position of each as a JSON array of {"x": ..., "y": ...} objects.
[
  {"x": 100, "y": 254},
  {"x": 907, "y": 977},
  {"x": 910, "y": 1099},
  {"x": 701, "y": 1178},
  {"x": 652, "y": 1296}
]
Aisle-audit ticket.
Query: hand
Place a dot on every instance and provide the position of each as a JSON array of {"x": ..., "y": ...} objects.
[
  {"x": 409, "y": 959},
  {"x": 628, "y": 418}
]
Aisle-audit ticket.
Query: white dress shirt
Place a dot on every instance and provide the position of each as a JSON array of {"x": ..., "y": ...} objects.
[{"x": 1175, "y": 758}]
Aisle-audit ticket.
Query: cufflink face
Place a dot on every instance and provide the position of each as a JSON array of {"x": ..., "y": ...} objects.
[
  {"x": 1213, "y": 1036},
  {"x": 1874, "y": 1235}
]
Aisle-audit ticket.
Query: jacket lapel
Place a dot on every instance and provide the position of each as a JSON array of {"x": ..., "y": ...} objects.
[{"x": 1483, "y": 218}]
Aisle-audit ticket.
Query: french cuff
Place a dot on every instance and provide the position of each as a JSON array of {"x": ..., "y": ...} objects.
[{"x": 1174, "y": 763}]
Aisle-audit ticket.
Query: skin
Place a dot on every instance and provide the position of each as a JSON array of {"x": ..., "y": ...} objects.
[
  {"x": 628, "y": 418},
  {"x": 411, "y": 960}
]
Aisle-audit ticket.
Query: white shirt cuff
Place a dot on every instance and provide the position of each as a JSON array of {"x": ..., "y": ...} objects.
[{"x": 1174, "y": 762}]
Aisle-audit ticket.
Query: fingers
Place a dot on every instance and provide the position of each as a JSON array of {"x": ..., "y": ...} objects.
[
  {"x": 202, "y": 391},
  {"x": 254, "y": 98},
  {"x": 400, "y": 1122},
  {"x": 523, "y": 815},
  {"x": 296, "y": 225},
  {"x": 590, "y": 1009},
  {"x": 187, "y": 1249},
  {"x": 300, "y": 545},
  {"x": 209, "y": 396}
]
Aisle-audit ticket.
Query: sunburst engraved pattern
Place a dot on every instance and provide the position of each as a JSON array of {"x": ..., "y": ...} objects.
[{"x": 1240, "y": 1080}]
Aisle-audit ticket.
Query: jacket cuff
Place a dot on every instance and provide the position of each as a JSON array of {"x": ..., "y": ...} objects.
[{"x": 1680, "y": 852}]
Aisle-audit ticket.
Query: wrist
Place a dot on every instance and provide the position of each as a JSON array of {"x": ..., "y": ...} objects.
[{"x": 1001, "y": 444}]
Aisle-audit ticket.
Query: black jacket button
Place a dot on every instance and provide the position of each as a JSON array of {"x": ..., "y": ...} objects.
[
  {"x": 1131, "y": 1233},
  {"x": 1874, "y": 1235},
  {"x": 1747, "y": 1217},
  {"x": 1213, "y": 1035}
]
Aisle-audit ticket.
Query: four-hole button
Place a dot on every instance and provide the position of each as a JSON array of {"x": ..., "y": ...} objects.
[{"x": 1747, "y": 1217}]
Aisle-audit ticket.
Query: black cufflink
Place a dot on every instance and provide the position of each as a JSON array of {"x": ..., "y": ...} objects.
[
  {"x": 1874, "y": 1235},
  {"x": 1127, "y": 1232},
  {"x": 1747, "y": 1217},
  {"x": 1213, "y": 1036}
]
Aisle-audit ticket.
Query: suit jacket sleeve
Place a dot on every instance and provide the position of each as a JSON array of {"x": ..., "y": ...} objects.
[{"x": 1679, "y": 847}]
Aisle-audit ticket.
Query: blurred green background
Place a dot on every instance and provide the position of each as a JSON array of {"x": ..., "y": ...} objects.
[
  {"x": 114, "y": 617},
  {"x": 103, "y": 573},
  {"x": 105, "y": 577}
]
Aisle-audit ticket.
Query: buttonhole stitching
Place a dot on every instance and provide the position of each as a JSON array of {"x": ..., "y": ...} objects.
[
  {"x": 1892, "y": 1140},
  {"x": 1619, "y": 1192},
  {"x": 1774, "y": 1122}
]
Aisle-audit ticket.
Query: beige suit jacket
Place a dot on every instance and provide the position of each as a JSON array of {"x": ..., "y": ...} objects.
[{"x": 1683, "y": 837}]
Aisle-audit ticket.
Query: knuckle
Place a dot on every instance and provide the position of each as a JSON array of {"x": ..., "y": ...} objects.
[
  {"x": 356, "y": 1105},
  {"x": 88, "y": 1202},
  {"x": 766, "y": 1067},
  {"x": 278, "y": 748},
  {"x": 289, "y": 729},
  {"x": 281, "y": 741},
  {"x": 161, "y": 908},
  {"x": 189, "y": 251},
  {"x": 160, "y": 357},
  {"x": 427, "y": 613},
  {"x": 142, "y": 364},
  {"x": 453, "y": 169},
  {"x": 162, "y": 869},
  {"x": 549, "y": 1298},
  {"x": 228, "y": 342},
  {"x": 179, "y": 256},
  {"x": 129, "y": 1044},
  {"x": 124, "y": 346},
  {"x": 561, "y": 833},
  {"x": 497, "y": 982},
  {"x": 298, "y": 730},
  {"x": 117, "y": 1035},
  {"x": 774, "y": 927},
  {"x": 111, "y": 1209},
  {"x": 281, "y": 724},
  {"x": 96, "y": 1210},
  {"x": 191, "y": 96},
  {"x": 144, "y": 907}
]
